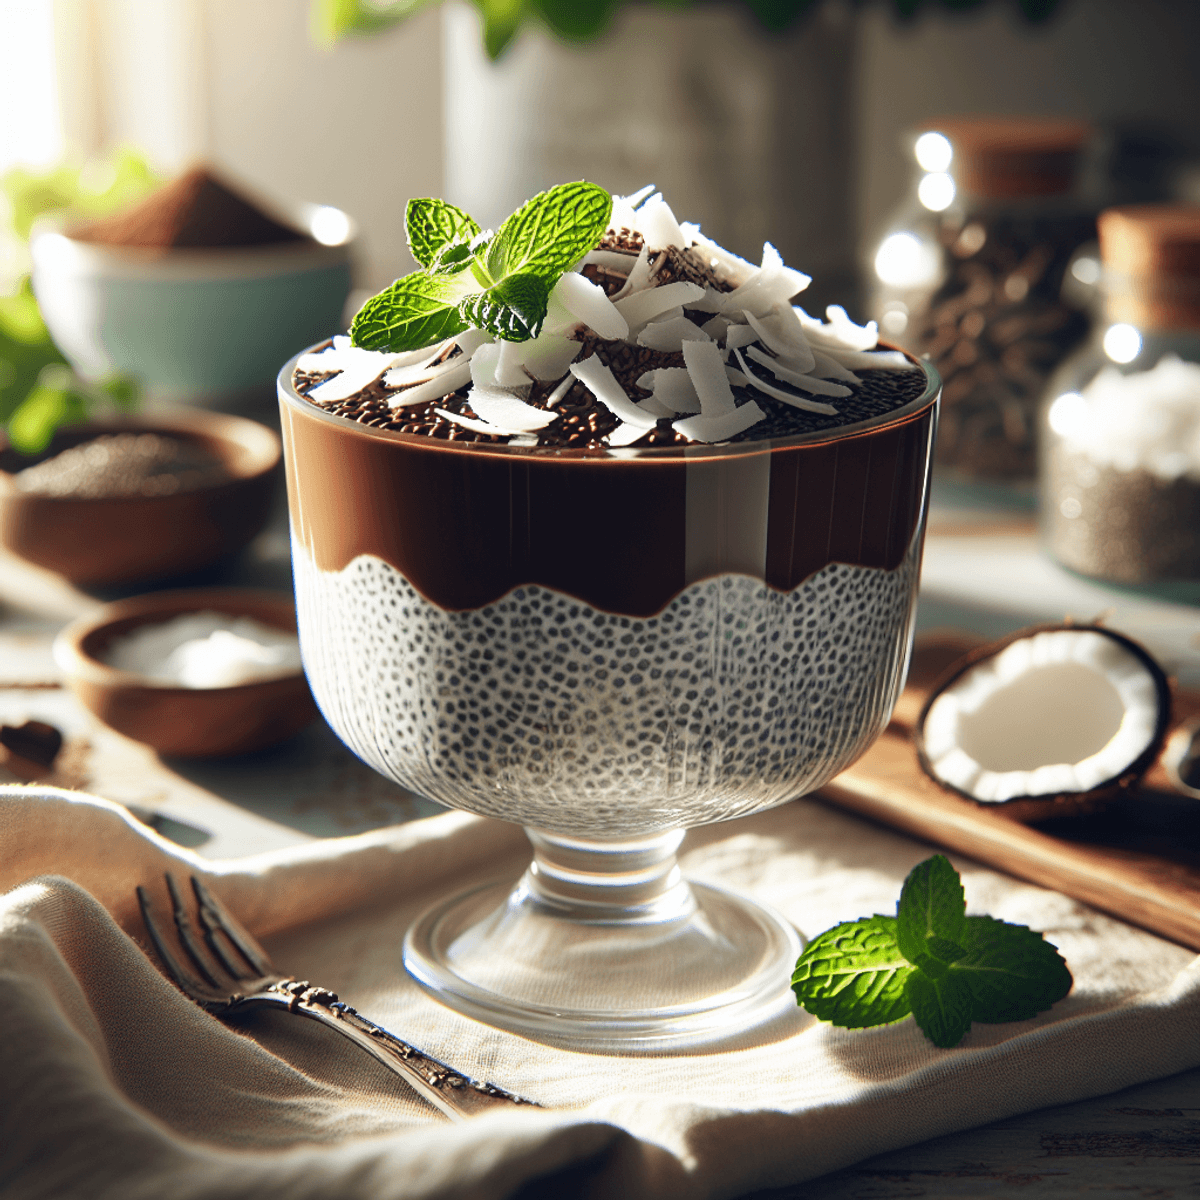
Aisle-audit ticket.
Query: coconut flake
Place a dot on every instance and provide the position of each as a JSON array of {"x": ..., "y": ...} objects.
[
  {"x": 727, "y": 266},
  {"x": 587, "y": 301},
  {"x": 672, "y": 387},
  {"x": 706, "y": 367},
  {"x": 785, "y": 337},
  {"x": 644, "y": 306},
  {"x": 457, "y": 374},
  {"x": 625, "y": 434},
  {"x": 853, "y": 337},
  {"x": 656, "y": 408},
  {"x": 872, "y": 360},
  {"x": 549, "y": 355},
  {"x": 670, "y": 335},
  {"x": 787, "y": 397},
  {"x": 719, "y": 428},
  {"x": 507, "y": 411},
  {"x": 809, "y": 383},
  {"x": 510, "y": 370},
  {"x": 483, "y": 365},
  {"x": 624, "y": 208},
  {"x": 658, "y": 226},
  {"x": 825, "y": 367},
  {"x": 471, "y": 423},
  {"x": 357, "y": 368},
  {"x": 560, "y": 391},
  {"x": 602, "y": 383},
  {"x": 771, "y": 284},
  {"x": 638, "y": 278}
]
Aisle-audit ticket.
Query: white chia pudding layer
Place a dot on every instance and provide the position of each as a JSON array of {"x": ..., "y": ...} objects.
[{"x": 540, "y": 709}]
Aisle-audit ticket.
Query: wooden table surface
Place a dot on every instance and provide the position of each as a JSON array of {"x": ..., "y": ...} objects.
[{"x": 1142, "y": 1142}]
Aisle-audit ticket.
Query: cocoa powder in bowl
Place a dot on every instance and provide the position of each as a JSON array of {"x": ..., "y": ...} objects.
[{"x": 197, "y": 210}]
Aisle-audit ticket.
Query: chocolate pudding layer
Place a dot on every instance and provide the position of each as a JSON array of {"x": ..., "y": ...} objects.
[{"x": 625, "y": 531}]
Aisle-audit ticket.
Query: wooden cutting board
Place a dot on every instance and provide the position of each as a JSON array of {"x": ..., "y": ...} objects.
[{"x": 1139, "y": 861}]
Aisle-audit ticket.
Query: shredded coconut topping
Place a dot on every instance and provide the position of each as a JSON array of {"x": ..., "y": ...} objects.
[{"x": 654, "y": 283}]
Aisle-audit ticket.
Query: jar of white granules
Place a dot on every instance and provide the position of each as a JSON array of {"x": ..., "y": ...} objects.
[{"x": 1120, "y": 463}]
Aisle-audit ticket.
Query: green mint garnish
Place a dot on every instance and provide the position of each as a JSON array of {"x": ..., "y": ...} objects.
[
  {"x": 513, "y": 310},
  {"x": 417, "y": 310},
  {"x": 471, "y": 278},
  {"x": 930, "y": 960},
  {"x": 549, "y": 234},
  {"x": 431, "y": 224}
]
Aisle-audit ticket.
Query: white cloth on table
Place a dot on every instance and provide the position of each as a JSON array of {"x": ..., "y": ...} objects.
[{"x": 112, "y": 1084}]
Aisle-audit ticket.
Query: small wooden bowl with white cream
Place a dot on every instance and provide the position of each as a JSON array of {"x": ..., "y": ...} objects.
[{"x": 202, "y": 673}]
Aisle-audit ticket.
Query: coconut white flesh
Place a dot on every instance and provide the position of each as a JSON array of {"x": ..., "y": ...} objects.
[
  {"x": 791, "y": 398},
  {"x": 1061, "y": 712},
  {"x": 357, "y": 368},
  {"x": 706, "y": 367},
  {"x": 638, "y": 277},
  {"x": 549, "y": 355},
  {"x": 644, "y": 306},
  {"x": 625, "y": 434},
  {"x": 560, "y": 391},
  {"x": 672, "y": 387},
  {"x": 510, "y": 368},
  {"x": 658, "y": 226},
  {"x": 810, "y": 383},
  {"x": 457, "y": 374},
  {"x": 719, "y": 428},
  {"x": 670, "y": 335},
  {"x": 507, "y": 411},
  {"x": 602, "y": 383},
  {"x": 587, "y": 301},
  {"x": 825, "y": 367}
]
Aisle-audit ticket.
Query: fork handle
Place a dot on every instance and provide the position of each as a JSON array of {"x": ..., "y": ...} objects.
[{"x": 455, "y": 1094}]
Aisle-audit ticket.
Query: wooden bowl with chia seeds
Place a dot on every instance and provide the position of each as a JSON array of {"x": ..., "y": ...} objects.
[
  {"x": 138, "y": 498},
  {"x": 186, "y": 722}
]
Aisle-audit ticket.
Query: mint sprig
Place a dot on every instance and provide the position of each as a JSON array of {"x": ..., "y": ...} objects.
[
  {"x": 470, "y": 278},
  {"x": 930, "y": 960}
]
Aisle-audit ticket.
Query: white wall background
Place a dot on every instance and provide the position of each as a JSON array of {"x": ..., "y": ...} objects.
[{"x": 359, "y": 126}]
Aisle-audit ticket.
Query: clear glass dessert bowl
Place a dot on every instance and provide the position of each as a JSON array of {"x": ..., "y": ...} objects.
[{"x": 609, "y": 648}]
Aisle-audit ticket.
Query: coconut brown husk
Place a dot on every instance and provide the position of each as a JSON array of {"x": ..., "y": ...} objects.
[{"x": 1034, "y": 809}]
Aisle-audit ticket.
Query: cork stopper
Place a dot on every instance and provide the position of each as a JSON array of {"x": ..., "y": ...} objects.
[
  {"x": 1014, "y": 156},
  {"x": 1151, "y": 255}
]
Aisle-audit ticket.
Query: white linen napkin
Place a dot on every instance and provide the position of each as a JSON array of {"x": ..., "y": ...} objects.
[{"x": 112, "y": 1084}]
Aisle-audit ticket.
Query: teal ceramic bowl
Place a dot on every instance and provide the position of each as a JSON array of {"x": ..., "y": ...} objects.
[{"x": 192, "y": 324}]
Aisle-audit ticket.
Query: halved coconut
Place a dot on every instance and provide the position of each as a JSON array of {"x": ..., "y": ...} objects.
[{"x": 1053, "y": 721}]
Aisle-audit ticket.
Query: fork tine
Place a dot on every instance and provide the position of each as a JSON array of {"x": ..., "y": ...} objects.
[
  {"x": 183, "y": 923},
  {"x": 216, "y": 918},
  {"x": 175, "y": 969}
]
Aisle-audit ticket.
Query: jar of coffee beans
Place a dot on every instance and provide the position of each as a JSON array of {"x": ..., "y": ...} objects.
[
  {"x": 1120, "y": 434},
  {"x": 971, "y": 273}
]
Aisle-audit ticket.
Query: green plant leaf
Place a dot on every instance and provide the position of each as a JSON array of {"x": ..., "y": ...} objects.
[
  {"x": 432, "y": 225},
  {"x": 1012, "y": 972},
  {"x": 332, "y": 20},
  {"x": 941, "y": 1006},
  {"x": 417, "y": 310},
  {"x": 550, "y": 233},
  {"x": 40, "y": 414},
  {"x": 513, "y": 309},
  {"x": 932, "y": 905},
  {"x": 853, "y": 975},
  {"x": 575, "y": 20}
]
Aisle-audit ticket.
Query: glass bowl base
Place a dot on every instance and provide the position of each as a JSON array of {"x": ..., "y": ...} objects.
[{"x": 696, "y": 968}]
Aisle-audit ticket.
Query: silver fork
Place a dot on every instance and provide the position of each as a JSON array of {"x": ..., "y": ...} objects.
[{"x": 236, "y": 975}]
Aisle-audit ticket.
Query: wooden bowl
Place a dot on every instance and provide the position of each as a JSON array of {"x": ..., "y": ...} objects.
[
  {"x": 181, "y": 721},
  {"x": 123, "y": 539}
]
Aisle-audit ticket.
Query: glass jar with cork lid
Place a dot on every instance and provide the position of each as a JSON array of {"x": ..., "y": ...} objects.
[
  {"x": 971, "y": 274},
  {"x": 1120, "y": 472}
]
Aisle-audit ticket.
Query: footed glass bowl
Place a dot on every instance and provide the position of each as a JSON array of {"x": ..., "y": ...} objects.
[{"x": 608, "y": 649}]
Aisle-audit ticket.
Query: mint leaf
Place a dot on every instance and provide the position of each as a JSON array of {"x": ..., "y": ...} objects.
[
  {"x": 942, "y": 1007},
  {"x": 853, "y": 975},
  {"x": 513, "y": 309},
  {"x": 431, "y": 224},
  {"x": 550, "y": 233},
  {"x": 932, "y": 905},
  {"x": 1012, "y": 972},
  {"x": 932, "y": 960},
  {"x": 417, "y": 310}
]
